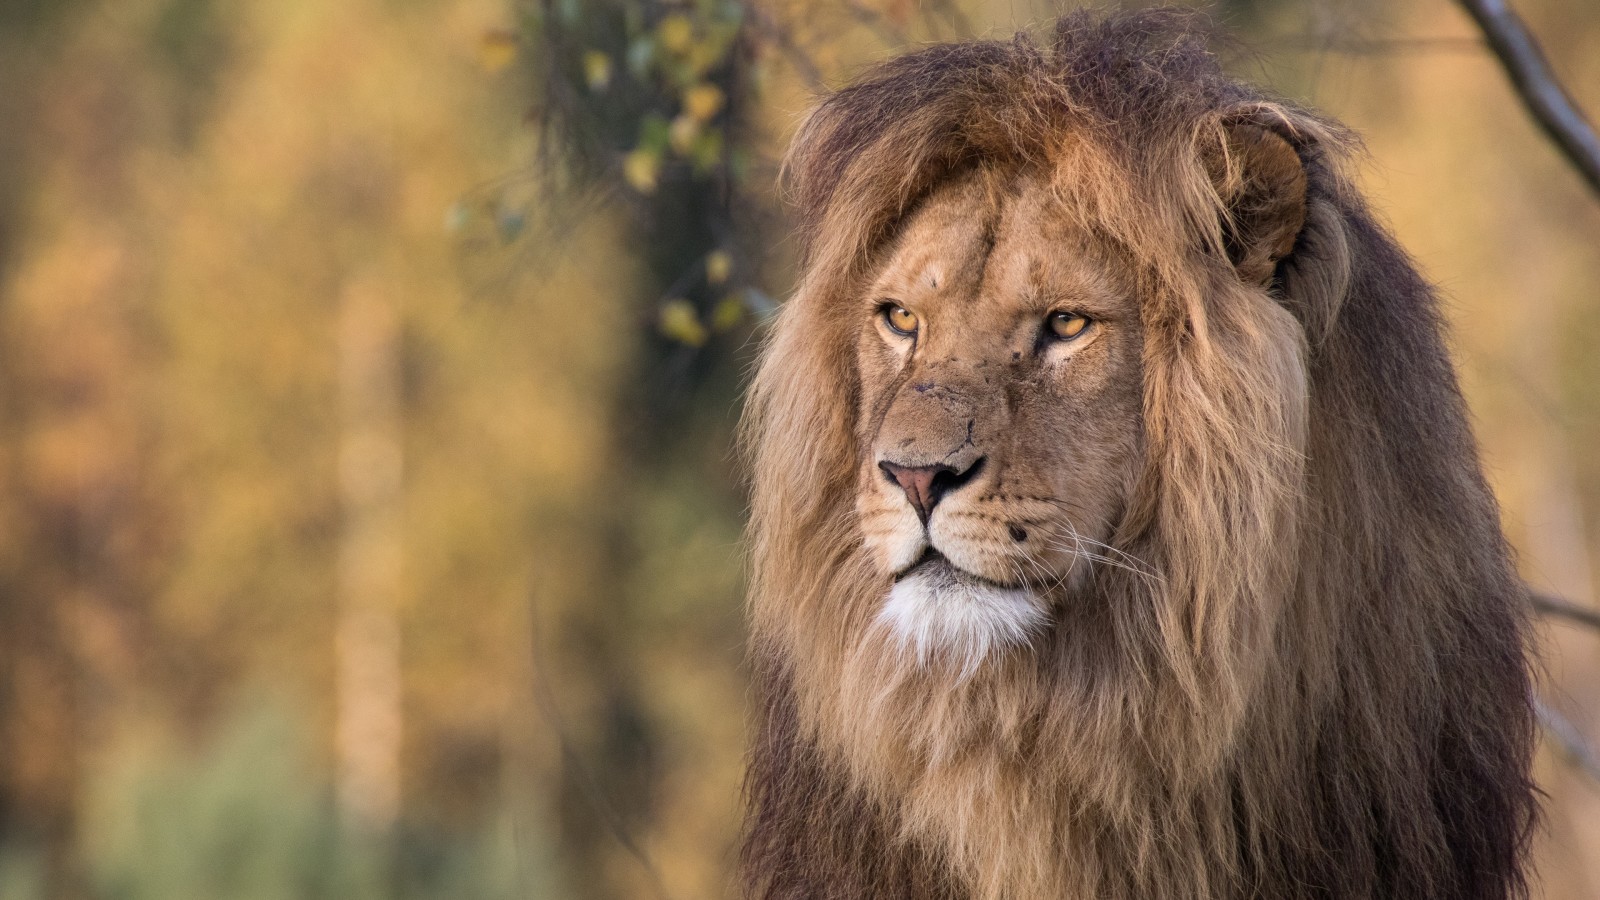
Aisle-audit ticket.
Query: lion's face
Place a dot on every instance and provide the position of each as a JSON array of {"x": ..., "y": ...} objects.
[{"x": 999, "y": 363}]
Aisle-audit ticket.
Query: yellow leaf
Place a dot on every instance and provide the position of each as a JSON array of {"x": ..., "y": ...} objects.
[
  {"x": 496, "y": 50},
  {"x": 702, "y": 101},
  {"x": 641, "y": 168},
  {"x": 679, "y": 322},
  {"x": 682, "y": 133},
  {"x": 597, "y": 70},
  {"x": 675, "y": 32},
  {"x": 729, "y": 312},
  {"x": 719, "y": 265}
]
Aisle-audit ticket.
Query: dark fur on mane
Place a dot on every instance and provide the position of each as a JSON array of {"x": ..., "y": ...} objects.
[{"x": 1389, "y": 757}]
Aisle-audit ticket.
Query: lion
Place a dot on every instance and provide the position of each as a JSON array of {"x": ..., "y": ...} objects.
[{"x": 1117, "y": 529}]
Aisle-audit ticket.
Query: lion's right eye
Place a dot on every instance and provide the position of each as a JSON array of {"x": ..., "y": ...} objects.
[
  {"x": 899, "y": 319},
  {"x": 1067, "y": 325}
]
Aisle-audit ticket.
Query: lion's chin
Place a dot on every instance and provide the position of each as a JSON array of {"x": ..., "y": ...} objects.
[{"x": 945, "y": 615}]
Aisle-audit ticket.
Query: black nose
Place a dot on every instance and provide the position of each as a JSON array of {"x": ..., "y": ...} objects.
[{"x": 925, "y": 486}]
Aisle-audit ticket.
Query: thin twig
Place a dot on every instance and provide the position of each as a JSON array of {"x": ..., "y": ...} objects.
[
  {"x": 880, "y": 25},
  {"x": 802, "y": 61},
  {"x": 1561, "y": 609},
  {"x": 545, "y": 699},
  {"x": 958, "y": 19},
  {"x": 1569, "y": 737},
  {"x": 1310, "y": 43},
  {"x": 1572, "y": 741},
  {"x": 1552, "y": 107}
]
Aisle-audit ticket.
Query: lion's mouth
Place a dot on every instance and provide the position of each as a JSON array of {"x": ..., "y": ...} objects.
[{"x": 932, "y": 562}]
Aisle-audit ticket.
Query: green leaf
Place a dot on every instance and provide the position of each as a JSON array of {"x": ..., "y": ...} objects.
[
  {"x": 707, "y": 154},
  {"x": 739, "y": 164},
  {"x": 655, "y": 133},
  {"x": 728, "y": 314},
  {"x": 679, "y": 322}
]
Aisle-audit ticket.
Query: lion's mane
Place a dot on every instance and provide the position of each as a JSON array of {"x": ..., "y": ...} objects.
[{"x": 1320, "y": 688}]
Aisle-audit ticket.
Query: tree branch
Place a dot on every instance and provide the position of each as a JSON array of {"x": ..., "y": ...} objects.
[
  {"x": 885, "y": 30},
  {"x": 1569, "y": 737},
  {"x": 1547, "y": 605},
  {"x": 550, "y": 710},
  {"x": 1552, "y": 107},
  {"x": 797, "y": 56},
  {"x": 1311, "y": 43}
]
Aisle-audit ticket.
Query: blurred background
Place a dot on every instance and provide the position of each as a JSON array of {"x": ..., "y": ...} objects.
[{"x": 369, "y": 523}]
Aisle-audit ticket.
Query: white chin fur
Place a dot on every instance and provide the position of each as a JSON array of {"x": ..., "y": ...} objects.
[{"x": 942, "y": 614}]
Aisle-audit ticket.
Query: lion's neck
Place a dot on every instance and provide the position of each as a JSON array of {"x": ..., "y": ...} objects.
[{"x": 1053, "y": 771}]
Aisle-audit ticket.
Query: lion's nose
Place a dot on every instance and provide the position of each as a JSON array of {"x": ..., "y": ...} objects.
[{"x": 925, "y": 486}]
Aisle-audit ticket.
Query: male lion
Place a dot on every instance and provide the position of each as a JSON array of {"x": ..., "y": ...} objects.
[{"x": 1118, "y": 531}]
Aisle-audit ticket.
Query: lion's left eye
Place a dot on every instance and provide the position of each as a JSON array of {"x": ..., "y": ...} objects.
[{"x": 1066, "y": 325}]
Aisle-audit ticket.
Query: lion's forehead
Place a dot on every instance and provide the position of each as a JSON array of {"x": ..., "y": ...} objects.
[
  {"x": 942, "y": 248},
  {"x": 988, "y": 256}
]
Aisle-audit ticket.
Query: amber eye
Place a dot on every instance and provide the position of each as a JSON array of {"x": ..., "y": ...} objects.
[
  {"x": 1067, "y": 325},
  {"x": 899, "y": 319}
]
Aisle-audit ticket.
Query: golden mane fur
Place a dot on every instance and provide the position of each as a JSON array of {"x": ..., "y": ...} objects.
[{"x": 1318, "y": 689}]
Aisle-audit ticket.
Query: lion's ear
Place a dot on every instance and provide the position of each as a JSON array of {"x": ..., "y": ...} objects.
[{"x": 1261, "y": 183}]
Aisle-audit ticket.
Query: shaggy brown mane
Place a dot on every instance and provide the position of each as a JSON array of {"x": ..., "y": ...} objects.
[{"x": 1318, "y": 689}]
